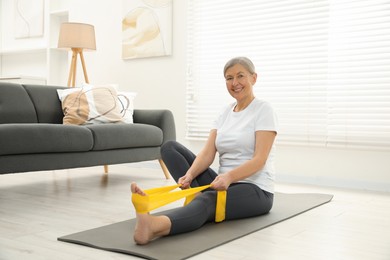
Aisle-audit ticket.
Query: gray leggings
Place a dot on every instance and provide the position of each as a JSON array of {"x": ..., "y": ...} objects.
[{"x": 243, "y": 199}]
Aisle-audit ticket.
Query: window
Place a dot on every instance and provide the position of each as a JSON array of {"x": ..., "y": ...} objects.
[{"x": 324, "y": 65}]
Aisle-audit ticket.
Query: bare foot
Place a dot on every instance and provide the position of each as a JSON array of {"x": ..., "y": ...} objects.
[
  {"x": 142, "y": 232},
  {"x": 147, "y": 226}
]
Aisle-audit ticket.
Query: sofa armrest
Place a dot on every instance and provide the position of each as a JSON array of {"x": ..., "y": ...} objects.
[{"x": 163, "y": 119}]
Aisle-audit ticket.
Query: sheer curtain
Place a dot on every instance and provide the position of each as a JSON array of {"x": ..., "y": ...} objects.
[{"x": 323, "y": 64}]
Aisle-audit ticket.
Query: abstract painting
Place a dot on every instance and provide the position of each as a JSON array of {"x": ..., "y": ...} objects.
[
  {"x": 146, "y": 28},
  {"x": 28, "y": 18}
]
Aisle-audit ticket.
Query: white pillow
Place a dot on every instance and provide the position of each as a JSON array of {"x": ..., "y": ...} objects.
[
  {"x": 90, "y": 105},
  {"x": 126, "y": 105}
]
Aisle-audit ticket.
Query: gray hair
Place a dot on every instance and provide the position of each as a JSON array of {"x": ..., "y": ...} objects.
[{"x": 244, "y": 61}]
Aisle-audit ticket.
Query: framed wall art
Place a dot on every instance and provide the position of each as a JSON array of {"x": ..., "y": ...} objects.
[
  {"x": 146, "y": 28},
  {"x": 28, "y": 18}
]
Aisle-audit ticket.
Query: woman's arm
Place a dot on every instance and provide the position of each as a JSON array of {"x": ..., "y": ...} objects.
[
  {"x": 203, "y": 160},
  {"x": 264, "y": 142}
]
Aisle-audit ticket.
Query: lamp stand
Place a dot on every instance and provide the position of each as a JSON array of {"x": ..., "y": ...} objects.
[{"x": 73, "y": 67}]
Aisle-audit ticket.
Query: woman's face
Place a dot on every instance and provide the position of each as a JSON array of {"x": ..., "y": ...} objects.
[{"x": 239, "y": 82}]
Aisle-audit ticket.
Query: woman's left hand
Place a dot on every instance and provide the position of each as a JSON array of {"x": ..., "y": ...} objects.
[{"x": 221, "y": 182}]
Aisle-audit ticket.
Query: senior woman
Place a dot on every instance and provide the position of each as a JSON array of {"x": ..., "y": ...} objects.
[{"x": 243, "y": 136}]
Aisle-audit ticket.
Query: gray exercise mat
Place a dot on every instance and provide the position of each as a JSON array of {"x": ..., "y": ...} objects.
[{"x": 118, "y": 237}]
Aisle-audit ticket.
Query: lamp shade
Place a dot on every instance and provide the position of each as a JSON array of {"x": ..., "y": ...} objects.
[{"x": 77, "y": 35}]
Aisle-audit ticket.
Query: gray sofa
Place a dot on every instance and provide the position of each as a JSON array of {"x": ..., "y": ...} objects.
[{"x": 33, "y": 138}]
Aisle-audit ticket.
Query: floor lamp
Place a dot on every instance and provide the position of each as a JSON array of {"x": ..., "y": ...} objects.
[{"x": 77, "y": 37}]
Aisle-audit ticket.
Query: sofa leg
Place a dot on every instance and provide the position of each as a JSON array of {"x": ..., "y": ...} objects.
[
  {"x": 165, "y": 169},
  {"x": 105, "y": 168}
]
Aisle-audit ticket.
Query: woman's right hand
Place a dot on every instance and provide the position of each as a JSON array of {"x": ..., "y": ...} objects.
[{"x": 185, "y": 181}]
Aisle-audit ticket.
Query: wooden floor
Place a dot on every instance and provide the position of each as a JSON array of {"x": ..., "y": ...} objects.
[{"x": 36, "y": 208}]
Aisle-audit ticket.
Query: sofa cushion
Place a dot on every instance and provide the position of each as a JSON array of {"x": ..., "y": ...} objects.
[
  {"x": 15, "y": 105},
  {"x": 120, "y": 135},
  {"x": 90, "y": 105},
  {"x": 46, "y": 103},
  {"x": 44, "y": 138}
]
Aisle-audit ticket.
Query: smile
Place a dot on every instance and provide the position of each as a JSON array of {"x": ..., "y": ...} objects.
[{"x": 237, "y": 90}]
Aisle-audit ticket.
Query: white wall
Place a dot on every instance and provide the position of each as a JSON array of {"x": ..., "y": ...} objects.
[{"x": 160, "y": 83}]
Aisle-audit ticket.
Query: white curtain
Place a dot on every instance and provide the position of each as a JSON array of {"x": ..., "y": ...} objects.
[{"x": 324, "y": 65}]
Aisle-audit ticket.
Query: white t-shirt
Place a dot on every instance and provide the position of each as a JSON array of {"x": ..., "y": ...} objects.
[{"x": 235, "y": 141}]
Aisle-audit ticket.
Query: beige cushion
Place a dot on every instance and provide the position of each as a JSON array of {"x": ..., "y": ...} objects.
[{"x": 90, "y": 105}]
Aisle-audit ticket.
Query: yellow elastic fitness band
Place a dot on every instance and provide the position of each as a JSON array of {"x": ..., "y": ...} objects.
[{"x": 158, "y": 197}]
